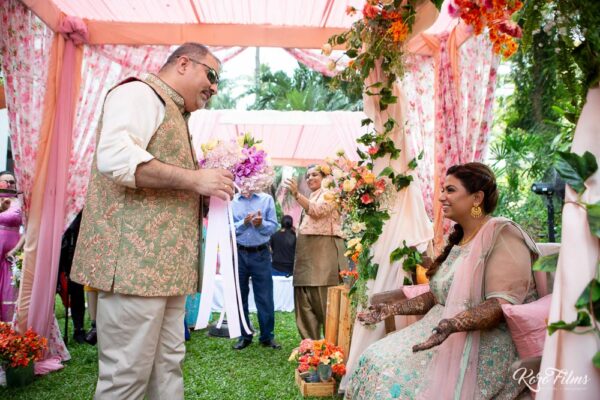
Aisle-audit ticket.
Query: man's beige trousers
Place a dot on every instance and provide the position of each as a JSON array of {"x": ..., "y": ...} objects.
[{"x": 141, "y": 347}]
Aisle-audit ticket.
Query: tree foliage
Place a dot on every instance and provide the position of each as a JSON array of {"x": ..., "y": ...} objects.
[
  {"x": 558, "y": 62},
  {"x": 224, "y": 99},
  {"x": 305, "y": 90},
  {"x": 534, "y": 123}
]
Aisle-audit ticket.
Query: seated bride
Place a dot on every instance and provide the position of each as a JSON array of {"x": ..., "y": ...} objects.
[{"x": 461, "y": 348}]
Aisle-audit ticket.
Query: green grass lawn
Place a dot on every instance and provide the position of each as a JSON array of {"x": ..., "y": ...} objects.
[{"x": 212, "y": 370}]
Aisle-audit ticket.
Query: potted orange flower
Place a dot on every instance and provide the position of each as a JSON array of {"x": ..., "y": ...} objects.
[
  {"x": 18, "y": 353},
  {"x": 349, "y": 277},
  {"x": 319, "y": 360}
]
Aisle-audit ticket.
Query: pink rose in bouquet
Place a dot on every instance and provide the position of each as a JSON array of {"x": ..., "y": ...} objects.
[{"x": 246, "y": 160}]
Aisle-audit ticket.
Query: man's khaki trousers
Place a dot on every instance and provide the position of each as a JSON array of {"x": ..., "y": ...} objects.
[{"x": 141, "y": 347}]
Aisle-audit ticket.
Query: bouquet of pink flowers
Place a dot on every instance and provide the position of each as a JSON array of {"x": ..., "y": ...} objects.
[{"x": 246, "y": 160}]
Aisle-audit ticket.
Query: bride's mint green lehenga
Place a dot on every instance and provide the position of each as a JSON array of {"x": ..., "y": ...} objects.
[{"x": 389, "y": 369}]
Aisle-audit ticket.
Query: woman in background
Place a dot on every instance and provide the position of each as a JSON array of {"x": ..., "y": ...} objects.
[
  {"x": 283, "y": 248},
  {"x": 10, "y": 242},
  {"x": 319, "y": 254}
]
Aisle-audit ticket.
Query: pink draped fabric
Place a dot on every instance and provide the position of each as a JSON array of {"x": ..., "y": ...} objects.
[
  {"x": 419, "y": 86},
  {"x": 457, "y": 123},
  {"x": 566, "y": 352},
  {"x": 460, "y": 351},
  {"x": 25, "y": 46},
  {"x": 313, "y": 59},
  {"x": 45, "y": 228}
]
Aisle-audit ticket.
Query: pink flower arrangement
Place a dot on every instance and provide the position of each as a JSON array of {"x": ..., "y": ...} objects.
[
  {"x": 311, "y": 353},
  {"x": 246, "y": 160}
]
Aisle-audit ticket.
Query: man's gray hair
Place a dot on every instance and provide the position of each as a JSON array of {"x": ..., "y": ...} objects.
[{"x": 193, "y": 49}]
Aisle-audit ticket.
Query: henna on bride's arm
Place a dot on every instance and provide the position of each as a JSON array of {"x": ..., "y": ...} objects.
[
  {"x": 486, "y": 315},
  {"x": 418, "y": 305}
]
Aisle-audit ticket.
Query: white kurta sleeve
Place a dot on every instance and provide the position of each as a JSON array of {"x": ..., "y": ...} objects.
[{"x": 132, "y": 114}]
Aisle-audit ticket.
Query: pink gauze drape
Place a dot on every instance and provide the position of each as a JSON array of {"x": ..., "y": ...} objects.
[
  {"x": 25, "y": 46},
  {"x": 567, "y": 371},
  {"x": 313, "y": 59},
  {"x": 46, "y": 224}
]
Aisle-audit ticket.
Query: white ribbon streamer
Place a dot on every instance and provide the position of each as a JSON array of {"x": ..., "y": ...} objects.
[{"x": 221, "y": 244}]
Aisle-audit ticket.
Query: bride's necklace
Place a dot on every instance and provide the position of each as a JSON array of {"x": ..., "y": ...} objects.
[{"x": 467, "y": 239}]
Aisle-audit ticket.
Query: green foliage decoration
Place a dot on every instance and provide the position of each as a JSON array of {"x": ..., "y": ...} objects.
[{"x": 576, "y": 169}]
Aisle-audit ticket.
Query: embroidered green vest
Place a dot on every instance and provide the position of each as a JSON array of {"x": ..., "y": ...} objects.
[{"x": 143, "y": 242}]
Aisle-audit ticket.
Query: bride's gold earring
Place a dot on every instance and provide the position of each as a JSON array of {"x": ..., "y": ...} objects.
[{"x": 476, "y": 211}]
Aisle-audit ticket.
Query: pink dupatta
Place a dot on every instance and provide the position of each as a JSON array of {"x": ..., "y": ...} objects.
[{"x": 455, "y": 363}]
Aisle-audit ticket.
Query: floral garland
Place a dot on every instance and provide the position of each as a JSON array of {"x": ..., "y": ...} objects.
[
  {"x": 496, "y": 16},
  {"x": 378, "y": 37},
  {"x": 376, "y": 40},
  {"x": 364, "y": 200}
]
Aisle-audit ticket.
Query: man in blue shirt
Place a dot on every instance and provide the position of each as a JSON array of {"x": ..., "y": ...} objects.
[{"x": 255, "y": 221}]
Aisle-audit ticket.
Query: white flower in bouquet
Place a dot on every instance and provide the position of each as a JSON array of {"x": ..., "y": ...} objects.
[{"x": 245, "y": 159}]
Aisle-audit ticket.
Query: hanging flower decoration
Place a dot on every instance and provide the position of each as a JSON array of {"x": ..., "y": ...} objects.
[
  {"x": 496, "y": 16},
  {"x": 364, "y": 200},
  {"x": 375, "y": 41},
  {"x": 378, "y": 36}
]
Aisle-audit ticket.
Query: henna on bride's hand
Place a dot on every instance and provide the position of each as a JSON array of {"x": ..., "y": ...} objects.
[
  {"x": 434, "y": 340},
  {"x": 376, "y": 313}
]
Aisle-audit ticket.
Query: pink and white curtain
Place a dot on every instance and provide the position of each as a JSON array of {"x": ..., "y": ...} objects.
[
  {"x": 449, "y": 110},
  {"x": 313, "y": 59},
  {"x": 25, "y": 43}
]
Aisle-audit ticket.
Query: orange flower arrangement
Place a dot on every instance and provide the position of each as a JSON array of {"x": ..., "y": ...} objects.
[
  {"x": 399, "y": 31},
  {"x": 496, "y": 15},
  {"x": 353, "y": 274},
  {"x": 18, "y": 350},
  {"x": 311, "y": 353},
  {"x": 379, "y": 36}
]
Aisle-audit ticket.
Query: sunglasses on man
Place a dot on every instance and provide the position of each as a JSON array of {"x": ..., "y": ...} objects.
[{"x": 211, "y": 74}]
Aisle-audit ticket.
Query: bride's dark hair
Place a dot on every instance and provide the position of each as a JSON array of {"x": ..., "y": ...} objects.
[{"x": 474, "y": 177}]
